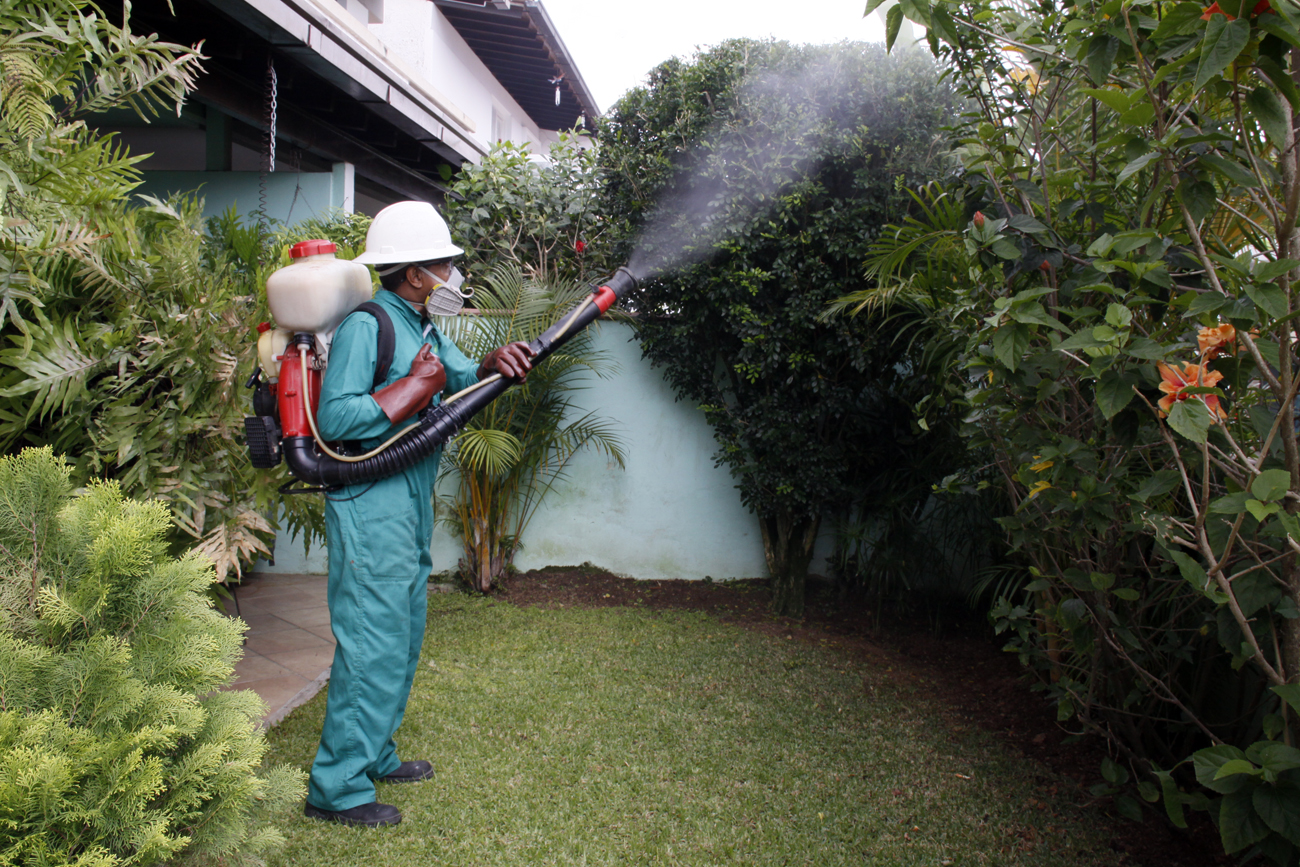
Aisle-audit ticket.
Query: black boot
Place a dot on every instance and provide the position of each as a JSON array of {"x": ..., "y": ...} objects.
[
  {"x": 372, "y": 815},
  {"x": 409, "y": 772}
]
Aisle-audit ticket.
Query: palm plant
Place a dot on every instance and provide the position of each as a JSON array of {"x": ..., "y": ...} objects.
[
  {"x": 517, "y": 449},
  {"x": 912, "y": 276},
  {"x": 887, "y": 540}
]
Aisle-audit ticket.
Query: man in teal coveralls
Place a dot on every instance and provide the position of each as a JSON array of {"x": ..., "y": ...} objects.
[{"x": 379, "y": 532}]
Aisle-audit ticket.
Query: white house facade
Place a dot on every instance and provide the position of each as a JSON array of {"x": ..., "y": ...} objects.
[{"x": 360, "y": 102}]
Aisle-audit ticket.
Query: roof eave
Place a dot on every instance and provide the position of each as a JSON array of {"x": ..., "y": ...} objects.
[
  {"x": 537, "y": 12},
  {"x": 533, "y": 15}
]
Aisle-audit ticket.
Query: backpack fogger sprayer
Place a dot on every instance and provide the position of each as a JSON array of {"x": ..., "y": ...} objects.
[{"x": 309, "y": 299}]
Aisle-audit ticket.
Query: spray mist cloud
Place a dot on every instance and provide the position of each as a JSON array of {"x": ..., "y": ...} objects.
[{"x": 776, "y": 125}]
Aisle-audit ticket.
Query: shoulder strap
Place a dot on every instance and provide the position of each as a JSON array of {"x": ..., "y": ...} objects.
[{"x": 387, "y": 340}]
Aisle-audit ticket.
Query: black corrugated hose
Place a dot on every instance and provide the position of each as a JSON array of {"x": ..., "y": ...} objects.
[{"x": 439, "y": 426}]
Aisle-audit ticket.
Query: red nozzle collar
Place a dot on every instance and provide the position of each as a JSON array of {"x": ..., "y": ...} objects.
[
  {"x": 314, "y": 247},
  {"x": 604, "y": 298}
]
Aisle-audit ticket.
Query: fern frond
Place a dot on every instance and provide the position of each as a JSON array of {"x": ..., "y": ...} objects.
[
  {"x": 56, "y": 368},
  {"x": 232, "y": 543},
  {"x": 25, "y": 93}
]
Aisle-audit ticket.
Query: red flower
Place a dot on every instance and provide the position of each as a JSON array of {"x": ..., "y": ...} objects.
[
  {"x": 1191, "y": 376},
  {"x": 579, "y": 246},
  {"x": 978, "y": 220},
  {"x": 1213, "y": 9}
]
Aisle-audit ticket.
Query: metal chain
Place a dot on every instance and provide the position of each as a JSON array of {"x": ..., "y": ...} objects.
[
  {"x": 271, "y": 96},
  {"x": 270, "y": 132}
]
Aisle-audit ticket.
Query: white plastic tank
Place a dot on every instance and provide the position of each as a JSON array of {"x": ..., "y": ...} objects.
[
  {"x": 317, "y": 291},
  {"x": 271, "y": 344}
]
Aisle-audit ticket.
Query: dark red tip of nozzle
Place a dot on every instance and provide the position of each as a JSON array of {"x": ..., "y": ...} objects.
[{"x": 619, "y": 284}]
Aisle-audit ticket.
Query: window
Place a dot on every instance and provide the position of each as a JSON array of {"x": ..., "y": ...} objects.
[
  {"x": 365, "y": 11},
  {"x": 500, "y": 125}
]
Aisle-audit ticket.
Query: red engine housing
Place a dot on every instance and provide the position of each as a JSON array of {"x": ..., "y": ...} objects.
[{"x": 292, "y": 391}]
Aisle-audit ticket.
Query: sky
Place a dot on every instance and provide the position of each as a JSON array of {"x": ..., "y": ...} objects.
[{"x": 616, "y": 42}]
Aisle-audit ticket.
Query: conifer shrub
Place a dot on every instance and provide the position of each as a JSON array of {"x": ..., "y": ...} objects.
[{"x": 116, "y": 745}]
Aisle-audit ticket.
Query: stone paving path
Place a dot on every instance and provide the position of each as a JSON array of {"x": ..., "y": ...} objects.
[{"x": 289, "y": 646}]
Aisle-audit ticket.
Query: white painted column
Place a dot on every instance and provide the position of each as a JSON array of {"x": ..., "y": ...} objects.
[{"x": 343, "y": 187}]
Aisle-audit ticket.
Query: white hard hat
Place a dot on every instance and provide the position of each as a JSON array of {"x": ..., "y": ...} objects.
[{"x": 407, "y": 232}]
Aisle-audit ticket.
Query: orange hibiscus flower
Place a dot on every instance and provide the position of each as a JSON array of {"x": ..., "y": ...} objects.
[
  {"x": 1211, "y": 341},
  {"x": 1191, "y": 376}
]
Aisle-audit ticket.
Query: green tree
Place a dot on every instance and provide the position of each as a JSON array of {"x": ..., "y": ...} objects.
[
  {"x": 1130, "y": 363},
  {"x": 516, "y": 450},
  {"x": 537, "y": 211},
  {"x": 119, "y": 747},
  {"x": 749, "y": 183}
]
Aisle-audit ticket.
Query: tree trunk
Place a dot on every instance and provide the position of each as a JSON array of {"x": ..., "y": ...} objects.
[
  {"x": 1288, "y": 248},
  {"x": 1291, "y": 631},
  {"x": 788, "y": 545},
  {"x": 485, "y": 560},
  {"x": 481, "y": 556}
]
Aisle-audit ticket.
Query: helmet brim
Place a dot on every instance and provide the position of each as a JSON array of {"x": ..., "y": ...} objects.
[{"x": 428, "y": 254}]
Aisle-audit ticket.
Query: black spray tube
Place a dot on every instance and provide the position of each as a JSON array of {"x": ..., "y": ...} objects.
[{"x": 308, "y": 465}]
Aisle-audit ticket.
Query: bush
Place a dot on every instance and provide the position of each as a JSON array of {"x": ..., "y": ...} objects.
[
  {"x": 535, "y": 212},
  {"x": 754, "y": 178},
  {"x": 123, "y": 335},
  {"x": 146, "y": 384},
  {"x": 118, "y": 746},
  {"x": 1124, "y": 300}
]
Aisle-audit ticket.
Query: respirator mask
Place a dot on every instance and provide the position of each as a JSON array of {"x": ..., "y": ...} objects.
[{"x": 449, "y": 297}]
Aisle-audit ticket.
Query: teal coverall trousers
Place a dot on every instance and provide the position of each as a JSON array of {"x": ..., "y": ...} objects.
[{"x": 378, "y": 536}]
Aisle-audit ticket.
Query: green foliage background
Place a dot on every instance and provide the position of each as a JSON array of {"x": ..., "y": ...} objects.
[
  {"x": 758, "y": 174},
  {"x": 1135, "y": 169}
]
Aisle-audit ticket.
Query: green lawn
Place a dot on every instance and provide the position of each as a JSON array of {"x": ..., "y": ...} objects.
[{"x": 629, "y": 737}]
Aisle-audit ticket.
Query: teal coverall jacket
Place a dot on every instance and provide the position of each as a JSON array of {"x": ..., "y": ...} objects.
[{"x": 378, "y": 536}]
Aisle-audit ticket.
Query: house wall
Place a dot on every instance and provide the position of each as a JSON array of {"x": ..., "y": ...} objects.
[
  {"x": 413, "y": 30},
  {"x": 670, "y": 514},
  {"x": 424, "y": 38}
]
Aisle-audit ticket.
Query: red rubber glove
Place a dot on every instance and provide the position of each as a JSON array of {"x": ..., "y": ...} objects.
[
  {"x": 412, "y": 393},
  {"x": 511, "y": 361}
]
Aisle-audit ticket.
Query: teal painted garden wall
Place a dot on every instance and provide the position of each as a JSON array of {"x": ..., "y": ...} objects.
[
  {"x": 670, "y": 514},
  {"x": 290, "y": 196}
]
